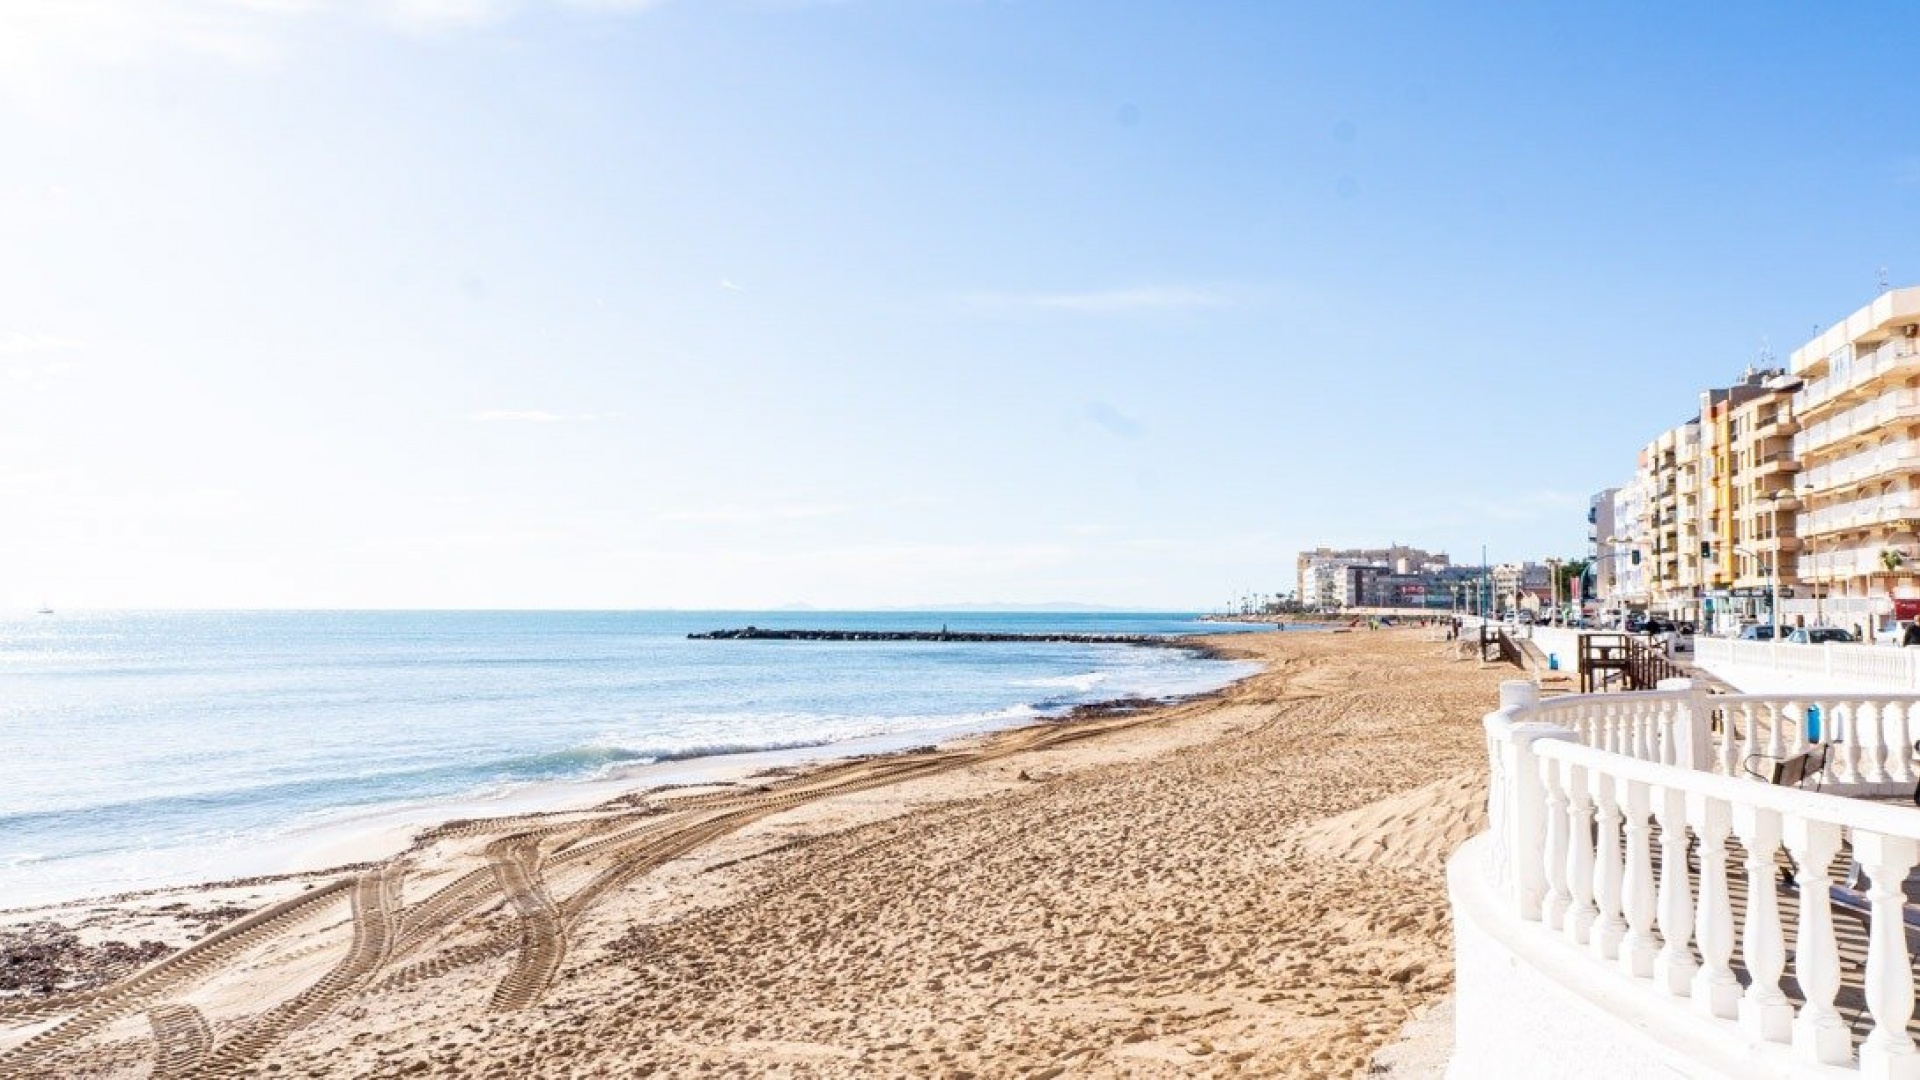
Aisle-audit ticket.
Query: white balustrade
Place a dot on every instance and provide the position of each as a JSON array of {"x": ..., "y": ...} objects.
[
  {"x": 1603, "y": 797},
  {"x": 1865, "y": 737}
]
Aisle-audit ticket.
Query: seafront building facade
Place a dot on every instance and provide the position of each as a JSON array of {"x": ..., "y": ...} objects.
[
  {"x": 1802, "y": 483},
  {"x": 1699, "y": 533},
  {"x": 1396, "y": 576},
  {"x": 1858, "y": 444},
  {"x": 1337, "y": 577}
]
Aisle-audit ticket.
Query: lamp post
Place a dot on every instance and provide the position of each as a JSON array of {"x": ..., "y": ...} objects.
[
  {"x": 1553, "y": 587},
  {"x": 1773, "y": 567},
  {"x": 1616, "y": 549},
  {"x": 1773, "y": 584}
]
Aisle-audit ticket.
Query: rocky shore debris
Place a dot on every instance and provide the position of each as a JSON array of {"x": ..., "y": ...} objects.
[
  {"x": 47, "y": 958},
  {"x": 754, "y": 633}
]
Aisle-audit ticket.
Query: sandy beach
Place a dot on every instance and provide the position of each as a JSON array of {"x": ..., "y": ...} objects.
[{"x": 1245, "y": 883}]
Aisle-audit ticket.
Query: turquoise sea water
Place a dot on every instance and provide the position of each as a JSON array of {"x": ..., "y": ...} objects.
[{"x": 142, "y": 749}]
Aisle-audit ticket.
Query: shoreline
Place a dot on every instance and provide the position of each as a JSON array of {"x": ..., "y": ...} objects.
[
  {"x": 316, "y": 841},
  {"x": 857, "y": 916},
  {"x": 361, "y": 838}
]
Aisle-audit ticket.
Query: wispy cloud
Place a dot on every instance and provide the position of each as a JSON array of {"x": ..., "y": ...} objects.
[
  {"x": 1143, "y": 298},
  {"x": 741, "y": 514},
  {"x": 46, "y": 40},
  {"x": 1540, "y": 504},
  {"x": 433, "y": 16},
  {"x": 1115, "y": 421},
  {"x": 16, "y": 344},
  {"x": 434, "y": 543},
  {"x": 529, "y": 416},
  {"x": 516, "y": 416}
]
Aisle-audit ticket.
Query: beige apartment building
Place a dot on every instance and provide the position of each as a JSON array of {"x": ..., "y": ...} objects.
[
  {"x": 1750, "y": 501},
  {"x": 1858, "y": 448},
  {"x": 1719, "y": 499},
  {"x": 1668, "y": 465}
]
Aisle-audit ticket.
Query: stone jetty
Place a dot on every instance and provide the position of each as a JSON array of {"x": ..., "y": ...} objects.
[{"x": 754, "y": 633}]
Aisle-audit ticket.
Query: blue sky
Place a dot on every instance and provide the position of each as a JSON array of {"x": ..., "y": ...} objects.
[{"x": 473, "y": 303}]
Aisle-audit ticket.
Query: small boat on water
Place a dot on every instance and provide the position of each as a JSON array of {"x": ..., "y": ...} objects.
[{"x": 46, "y": 611}]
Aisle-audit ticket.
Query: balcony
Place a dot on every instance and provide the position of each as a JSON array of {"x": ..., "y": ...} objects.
[
  {"x": 1902, "y": 456},
  {"x": 1899, "y": 355},
  {"x": 1862, "y": 419},
  {"x": 1860, "y": 513}
]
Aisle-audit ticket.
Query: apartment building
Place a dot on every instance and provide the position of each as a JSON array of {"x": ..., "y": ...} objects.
[
  {"x": 1323, "y": 579},
  {"x": 1712, "y": 536},
  {"x": 1670, "y": 473},
  {"x": 1622, "y": 550},
  {"x": 1750, "y": 512},
  {"x": 1858, "y": 446},
  {"x": 1748, "y": 465}
]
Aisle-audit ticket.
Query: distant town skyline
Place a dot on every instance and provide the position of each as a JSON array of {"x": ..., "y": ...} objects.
[{"x": 750, "y": 303}]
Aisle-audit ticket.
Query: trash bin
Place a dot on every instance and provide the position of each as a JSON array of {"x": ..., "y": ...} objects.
[
  {"x": 1553, "y": 661},
  {"x": 1813, "y": 723}
]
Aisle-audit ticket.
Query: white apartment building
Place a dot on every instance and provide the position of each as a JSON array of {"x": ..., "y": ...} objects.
[
  {"x": 1621, "y": 544},
  {"x": 1670, "y": 474},
  {"x": 1859, "y": 453}
]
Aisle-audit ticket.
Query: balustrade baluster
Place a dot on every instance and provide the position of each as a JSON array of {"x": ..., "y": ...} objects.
[
  {"x": 1749, "y": 746},
  {"x": 1776, "y": 741},
  {"x": 1580, "y": 907},
  {"x": 1765, "y": 1012},
  {"x": 1836, "y": 729},
  {"x": 1887, "y": 1051},
  {"x": 1724, "y": 746},
  {"x": 1819, "y": 1034},
  {"x": 1795, "y": 729},
  {"x": 1638, "y": 946},
  {"x": 1715, "y": 990},
  {"x": 1646, "y": 738},
  {"x": 1899, "y": 743},
  {"x": 1674, "y": 967},
  {"x": 1608, "y": 926},
  {"x": 1866, "y": 727},
  {"x": 1555, "y": 899}
]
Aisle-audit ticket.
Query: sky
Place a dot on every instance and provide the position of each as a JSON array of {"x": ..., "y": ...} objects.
[{"x": 873, "y": 303}]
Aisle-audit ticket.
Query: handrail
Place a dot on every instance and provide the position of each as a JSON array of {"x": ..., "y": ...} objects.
[{"x": 1580, "y": 786}]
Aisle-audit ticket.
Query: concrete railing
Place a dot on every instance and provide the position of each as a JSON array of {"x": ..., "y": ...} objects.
[
  {"x": 1609, "y": 833},
  {"x": 1865, "y": 741},
  {"x": 1879, "y": 665}
]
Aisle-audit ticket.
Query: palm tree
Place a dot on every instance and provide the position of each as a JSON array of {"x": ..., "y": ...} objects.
[{"x": 1892, "y": 559}]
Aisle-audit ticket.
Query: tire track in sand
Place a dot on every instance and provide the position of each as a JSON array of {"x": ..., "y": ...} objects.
[
  {"x": 375, "y": 900},
  {"x": 128, "y": 996},
  {"x": 181, "y": 1039}
]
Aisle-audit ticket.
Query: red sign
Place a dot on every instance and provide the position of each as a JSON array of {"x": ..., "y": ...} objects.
[{"x": 1906, "y": 609}]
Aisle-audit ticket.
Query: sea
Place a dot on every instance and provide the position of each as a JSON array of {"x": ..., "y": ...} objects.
[{"x": 146, "y": 749}]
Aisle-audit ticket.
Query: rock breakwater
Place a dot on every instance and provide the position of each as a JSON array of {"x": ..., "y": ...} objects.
[{"x": 754, "y": 633}]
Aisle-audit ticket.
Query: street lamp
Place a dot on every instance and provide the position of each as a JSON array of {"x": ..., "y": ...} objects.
[
  {"x": 1773, "y": 567},
  {"x": 1773, "y": 584},
  {"x": 1553, "y": 585},
  {"x": 1617, "y": 549}
]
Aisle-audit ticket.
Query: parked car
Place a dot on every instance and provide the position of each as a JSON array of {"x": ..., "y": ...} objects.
[
  {"x": 1818, "y": 635},
  {"x": 1757, "y": 632}
]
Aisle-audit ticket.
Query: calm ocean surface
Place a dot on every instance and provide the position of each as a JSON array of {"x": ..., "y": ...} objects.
[{"x": 143, "y": 749}]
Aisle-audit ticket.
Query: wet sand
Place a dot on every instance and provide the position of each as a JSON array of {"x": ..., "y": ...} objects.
[{"x": 1246, "y": 883}]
